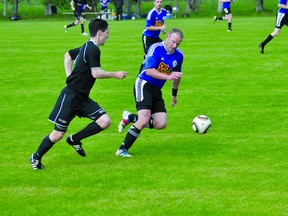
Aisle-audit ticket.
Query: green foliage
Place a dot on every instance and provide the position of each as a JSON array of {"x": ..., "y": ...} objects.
[
  {"x": 238, "y": 168},
  {"x": 34, "y": 9}
]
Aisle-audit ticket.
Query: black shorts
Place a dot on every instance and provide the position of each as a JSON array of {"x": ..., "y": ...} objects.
[
  {"x": 78, "y": 15},
  {"x": 70, "y": 104},
  {"x": 148, "y": 41},
  {"x": 281, "y": 20},
  {"x": 148, "y": 97},
  {"x": 227, "y": 11}
]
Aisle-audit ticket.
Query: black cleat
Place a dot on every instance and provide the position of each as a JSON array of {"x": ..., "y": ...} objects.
[
  {"x": 76, "y": 146},
  {"x": 261, "y": 48},
  {"x": 36, "y": 164}
]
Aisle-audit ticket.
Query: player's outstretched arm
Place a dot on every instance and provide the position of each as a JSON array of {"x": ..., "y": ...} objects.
[{"x": 98, "y": 73}]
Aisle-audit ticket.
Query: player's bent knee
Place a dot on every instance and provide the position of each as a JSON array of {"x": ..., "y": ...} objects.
[
  {"x": 160, "y": 125},
  {"x": 275, "y": 33},
  {"x": 104, "y": 121},
  {"x": 55, "y": 136}
]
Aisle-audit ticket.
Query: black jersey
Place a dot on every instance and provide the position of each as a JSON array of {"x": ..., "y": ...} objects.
[
  {"x": 81, "y": 79},
  {"x": 74, "y": 52},
  {"x": 79, "y": 5}
]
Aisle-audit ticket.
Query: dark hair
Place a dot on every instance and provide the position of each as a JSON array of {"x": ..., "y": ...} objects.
[{"x": 97, "y": 24}]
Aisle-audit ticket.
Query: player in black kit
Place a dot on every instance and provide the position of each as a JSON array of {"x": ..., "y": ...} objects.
[
  {"x": 78, "y": 7},
  {"x": 74, "y": 98}
]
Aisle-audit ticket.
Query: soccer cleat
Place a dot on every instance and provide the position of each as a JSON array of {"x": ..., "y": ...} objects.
[
  {"x": 84, "y": 34},
  {"x": 215, "y": 19},
  {"x": 229, "y": 30},
  {"x": 124, "y": 122},
  {"x": 261, "y": 48},
  {"x": 123, "y": 153},
  {"x": 65, "y": 28},
  {"x": 77, "y": 146},
  {"x": 36, "y": 164}
]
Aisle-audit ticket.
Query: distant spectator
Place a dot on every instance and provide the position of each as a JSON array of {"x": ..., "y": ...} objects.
[{"x": 118, "y": 5}]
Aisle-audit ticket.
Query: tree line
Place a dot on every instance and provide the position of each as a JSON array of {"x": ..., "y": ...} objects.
[{"x": 191, "y": 5}]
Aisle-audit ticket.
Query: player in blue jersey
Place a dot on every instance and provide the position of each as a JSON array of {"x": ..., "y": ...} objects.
[
  {"x": 104, "y": 7},
  {"x": 74, "y": 98},
  {"x": 281, "y": 20},
  {"x": 226, "y": 7},
  {"x": 164, "y": 62},
  {"x": 154, "y": 26},
  {"x": 78, "y": 7}
]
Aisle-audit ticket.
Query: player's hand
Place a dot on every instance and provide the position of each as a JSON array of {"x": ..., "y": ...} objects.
[
  {"x": 120, "y": 74},
  {"x": 175, "y": 76},
  {"x": 174, "y": 101},
  {"x": 163, "y": 29}
]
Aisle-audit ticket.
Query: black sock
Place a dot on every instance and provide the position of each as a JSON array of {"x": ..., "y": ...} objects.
[
  {"x": 44, "y": 147},
  {"x": 219, "y": 18},
  {"x": 70, "y": 25},
  {"x": 82, "y": 28},
  {"x": 229, "y": 25},
  {"x": 89, "y": 130},
  {"x": 131, "y": 136},
  {"x": 267, "y": 40}
]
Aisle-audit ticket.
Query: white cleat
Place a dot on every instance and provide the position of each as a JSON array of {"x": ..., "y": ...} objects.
[
  {"x": 124, "y": 122},
  {"x": 123, "y": 153}
]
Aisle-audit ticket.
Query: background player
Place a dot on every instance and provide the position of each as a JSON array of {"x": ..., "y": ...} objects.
[
  {"x": 226, "y": 7},
  {"x": 78, "y": 7},
  {"x": 104, "y": 7},
  {"x": 154, "y": 25},
  {"x": 281, "y": 20}
]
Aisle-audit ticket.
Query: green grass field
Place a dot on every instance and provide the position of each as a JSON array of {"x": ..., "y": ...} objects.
[{"x": 238, "y": 168}]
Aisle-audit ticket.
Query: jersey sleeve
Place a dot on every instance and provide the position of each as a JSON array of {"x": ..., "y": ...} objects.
[
  {"x": 74, "y": 52},
  {"x": 180, "y": 59}
]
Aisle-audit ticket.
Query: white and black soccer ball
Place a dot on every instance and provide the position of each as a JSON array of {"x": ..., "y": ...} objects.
[{"x": 201, "y": 124}]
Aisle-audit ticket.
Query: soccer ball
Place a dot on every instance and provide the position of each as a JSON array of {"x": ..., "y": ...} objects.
[{"x": 201, "y": 124}]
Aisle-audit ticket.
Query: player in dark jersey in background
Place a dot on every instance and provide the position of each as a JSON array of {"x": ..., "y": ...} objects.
[
  {"x": 164, "y": 62},
  {"x": 74, "y": 98},
  {"x": 281, "y": 20},
  {"x": 226, "y": 7},
  {"x": 78, "y": 7}
]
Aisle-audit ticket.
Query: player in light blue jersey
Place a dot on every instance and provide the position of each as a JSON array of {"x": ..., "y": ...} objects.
[
  {"x": 226, "y": 7},
  {"x": 164, "y": 62},
  {"x": 281, "y": 20}
]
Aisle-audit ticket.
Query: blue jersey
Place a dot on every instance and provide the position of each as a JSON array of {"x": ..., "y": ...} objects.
[
  {"x": 226, "y": 5},
  {"x": 162, "y": 61},
  {"x": 104, "y": 4},
  {"x": 154, "y": 19},
  {"x": 282, "y": 10}
]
